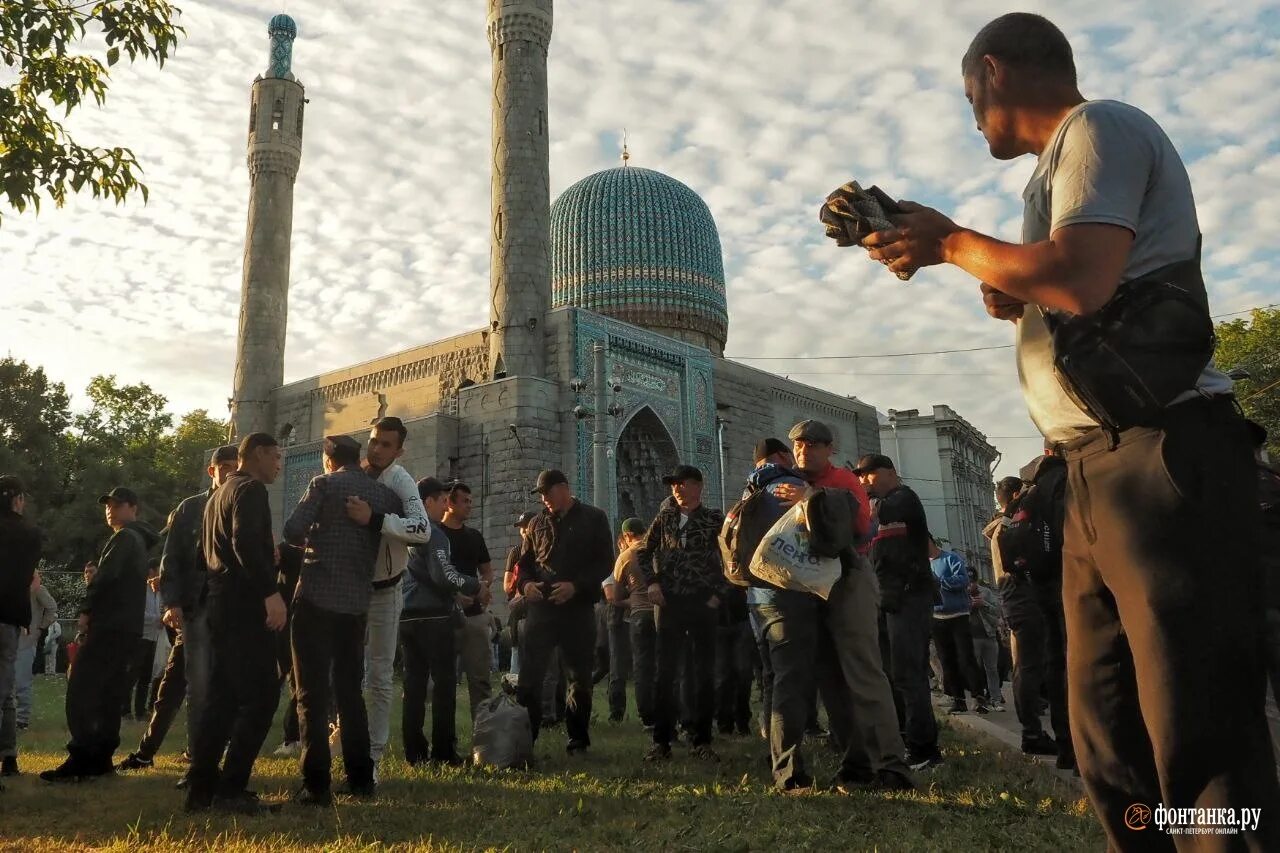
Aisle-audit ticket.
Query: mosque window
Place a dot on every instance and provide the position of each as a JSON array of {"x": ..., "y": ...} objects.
[
  {"x": 277, "y": 114},
  {"x": 253, "y": 116},
  {"x": 298, "y": 129}
]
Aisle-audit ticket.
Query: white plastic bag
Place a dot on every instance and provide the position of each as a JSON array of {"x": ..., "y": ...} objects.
[
  {"x": 784, "y": 559},
  {"x": 502, "y": 736}
]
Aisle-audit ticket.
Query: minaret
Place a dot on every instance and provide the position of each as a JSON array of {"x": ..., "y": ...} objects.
[
  {"x": 520, "y": 255},
  {"x": 275, "y": 149}
]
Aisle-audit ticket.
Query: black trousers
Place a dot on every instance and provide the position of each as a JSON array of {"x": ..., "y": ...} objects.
[
  {"x": 735, "y": 647},
  {"x": 284, "y": 653},
  {"x": 1030, "y": 659},
  {"x": 571, "y": 628},
  {"x": 1163, "y": 592},
  {"x": 1048, "y": 595},
  {"x": 429, "y": 647},
  {"x": 644, "y": 660},
  {"x": 685, "y": 626},
  {"x": 169, "y": 696},
  {"x": 909, "y": 633},
  {"x": 139, "y": 678},
  {"x": 619, "y": 634},
  {"x": 244, "y": 691},
  {"x": 97, "y": 690},
  {"x": 960, "y": 670},
  {"x": 326, "y": 642}
]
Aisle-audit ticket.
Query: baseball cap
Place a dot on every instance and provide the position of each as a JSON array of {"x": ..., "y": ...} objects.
[
  {"x": 225, "y": 453},
  {"x": 634, "y": 526},
  {"x": 681, "y": 474},
  {"x": 10, "y": 488},
  {"x": 120, "y": 494},
  {"x": 525, "y": 517},
  {"x": 429, "y": 487},
  {"x": 547, "y": 479},
  {"x": 766, "y": 447},
  {"x": 873, "y": 462},
  {"x": 812, "y": 431}
]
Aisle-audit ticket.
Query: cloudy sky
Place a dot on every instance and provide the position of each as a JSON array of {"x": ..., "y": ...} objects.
[{"x": 762, "y": 106}]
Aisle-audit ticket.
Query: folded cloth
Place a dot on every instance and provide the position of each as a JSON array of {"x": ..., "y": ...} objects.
[{"x": 851, "y": 214}]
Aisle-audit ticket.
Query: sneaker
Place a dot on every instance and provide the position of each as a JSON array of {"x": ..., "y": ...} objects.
[
  {"x": 924, "y": 762},
  {"x": 1039, "y": 745},
  {"x": 658, "y": 752},
  {"x": 182, "y": 784},
  {"x": 576, "y": 747},
  {"x": 288, "y": 749},
  {"x": 135, "y": 762},
  {"x": 702, "y": 752},
  {"x": 959, "y": 706},
  {"x": 245, "y": 803},
  {"x": 981, "y": 707},
  {"x": 998, "y": 707},
  {"x": 307, "y": 797},
  {"x": 9, "y": 766}
]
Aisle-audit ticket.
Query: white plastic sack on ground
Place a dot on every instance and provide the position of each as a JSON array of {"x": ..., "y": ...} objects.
[
  {"x": 783, "y": 558},
  {"x": 503, "y": 737}
]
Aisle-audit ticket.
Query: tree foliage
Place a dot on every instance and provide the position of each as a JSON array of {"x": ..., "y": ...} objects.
[
  {"x": 126, "y": 437},
  {"x": 1254, "y": 345},
  {"x": 38, "y": 44}
]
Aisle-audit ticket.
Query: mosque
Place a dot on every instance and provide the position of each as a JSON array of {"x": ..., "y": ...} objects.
[{"x": 625, "y": 268}]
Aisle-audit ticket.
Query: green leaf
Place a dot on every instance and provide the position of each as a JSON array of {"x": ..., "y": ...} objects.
[{"x": 113, "y": 56}]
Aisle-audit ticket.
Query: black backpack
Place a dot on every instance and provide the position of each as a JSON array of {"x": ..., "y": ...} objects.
[
  {"x": 745, "y": 525},
  {"x": 1032, "y": 539}
]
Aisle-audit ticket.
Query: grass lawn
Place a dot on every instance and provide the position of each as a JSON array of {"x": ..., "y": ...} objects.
[{"x": 983, "y": 798}]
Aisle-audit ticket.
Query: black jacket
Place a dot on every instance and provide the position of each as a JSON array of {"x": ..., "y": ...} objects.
[
  {"x": 684, "y": 560},
  {"x": 117, "y": 596},
  {"x": 900, "y": 551},
  {"x": 19, "y": 554},
  {"x": 236, "y": 542},
  {"x": 431, "y": 580},
  {"x": 575, "y": 547},
  {"x": 181, "y": 574}
]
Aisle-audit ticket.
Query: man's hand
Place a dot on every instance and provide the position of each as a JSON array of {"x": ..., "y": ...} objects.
[
  {"x": 358, "y": 510},
  {"x": 1000, "y": 305},
  {"x": 713, "y": 602},
  {"x": 918, "y": 241},
  {"x": 82, "y": 624},
  {"x": 788, "y": 494},
  {"x": 465, "y": 601},
  {"x": 655, "y": 595},
  {"x": 561, "y": 592},
  {"x": 276, "y": 613},
  {"x": 532, "y": 591},
  {"x": 173, "y": 618}
]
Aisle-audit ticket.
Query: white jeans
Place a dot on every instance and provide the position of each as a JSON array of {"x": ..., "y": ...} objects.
[{"x": 381, "y": 636}]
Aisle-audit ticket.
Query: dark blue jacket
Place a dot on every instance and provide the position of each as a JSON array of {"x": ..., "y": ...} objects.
[{"x": 431, "y": 581}]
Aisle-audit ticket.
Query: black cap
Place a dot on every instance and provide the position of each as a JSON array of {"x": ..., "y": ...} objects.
[
  {"x": 812, "y": 431},
  {"x": 547, "y": 479},
  {"x": 225, "y": 453},
  {"x": 1257, "y": 432},
  {"x": 121, "y": 495},
  {"x": 525, "y": 517},
  {"x": 429, "y": 487},
  {"x": 873, "y": 462},
  {"x": 10, "y": 488},
  {"x": 681, "y": 474},
  {"x": 634, "y": 526},
  {"x": 766, "y": 447}
]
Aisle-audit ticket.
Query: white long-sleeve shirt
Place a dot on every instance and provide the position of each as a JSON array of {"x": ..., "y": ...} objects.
[{"x": 399, "y": 532}]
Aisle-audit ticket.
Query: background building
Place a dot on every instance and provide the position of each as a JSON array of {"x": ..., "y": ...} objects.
[{"x": 949, "y": 463}]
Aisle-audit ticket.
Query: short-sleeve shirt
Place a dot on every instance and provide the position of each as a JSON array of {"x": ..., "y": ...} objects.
[
  {"x": 469, "y": 552},
  {"x": 1107, "y": 163}
]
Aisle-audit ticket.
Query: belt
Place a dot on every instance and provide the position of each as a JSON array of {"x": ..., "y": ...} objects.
[
  {"x": 1098, "y": 438},
  {"x": 388, "y": 583}
]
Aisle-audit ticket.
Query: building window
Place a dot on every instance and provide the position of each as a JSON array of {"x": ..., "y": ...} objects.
[
  {"x": 277, "y": 114},
  {"x": 298, "y": 130},
  {"x": 253, "y": 116}
]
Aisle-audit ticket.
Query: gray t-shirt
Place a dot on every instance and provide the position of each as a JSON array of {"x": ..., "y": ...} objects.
[{"x": 1107, "y": 163}]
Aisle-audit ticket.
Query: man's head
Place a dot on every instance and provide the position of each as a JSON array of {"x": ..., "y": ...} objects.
[
  {"x": 522, "y": 523},
  {"x": 553, "y": 487},
  {"x": 877, "y": 474},
  {"x": 121, "y": 506},
  {"x": 1017, "y": 64},
  {"x": 386, "y": 443},
  {"x": 773, "y": 451},
  {"x": 1006, "y": 490},
  {"x": 340, "y": 451},
  {"x": 460, "y": 502},
  {"x": 435, "y": 497},
  {"x": 13, "y": 497},
  {"x": 632, "y": 532},
  {"x": 224, "y": 461},
  {"x": 686, "y": 487},
  {"x": 812, "y": 443},
  {"x": 260, "y": 457}
]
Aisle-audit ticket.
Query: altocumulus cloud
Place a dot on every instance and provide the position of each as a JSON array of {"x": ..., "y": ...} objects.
[{"x": 760, "y": 105}]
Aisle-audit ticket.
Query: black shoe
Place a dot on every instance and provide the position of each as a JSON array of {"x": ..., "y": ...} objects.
[
  {"x": 308, "y": 797},
  {"x": 136, "y": 762},
  {"x": 363, "y": 790},
  {"x": 924, "y": 761},
  {"x": 1040, "y": 745},
  {"x": 959, "y": 706},
  {"x": 452, "y": 759},
  {"x": 576, "y": 747},
  {"x": 197, "y": 802},
  {"x": 182, "y": 784},
  {"x": 67, "y": 771},
  {"x": 658, "y": 752},
  {"x": 1066, "y": 757},
  {"x": 888, "y": 780},
  {"x": 981, "y": 707},
  {"x": 9, "y": 766},
  {"x": 245, "y": 803}
]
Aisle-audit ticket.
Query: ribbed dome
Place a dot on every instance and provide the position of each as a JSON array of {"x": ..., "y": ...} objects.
[{"x": 641, "y": 247}]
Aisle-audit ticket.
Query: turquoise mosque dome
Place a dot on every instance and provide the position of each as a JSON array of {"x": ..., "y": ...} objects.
[{"x": 641, "y": 247}]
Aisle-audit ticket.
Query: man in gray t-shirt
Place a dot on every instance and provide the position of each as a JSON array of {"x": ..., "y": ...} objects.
[{"x": 1161, "y": 574}]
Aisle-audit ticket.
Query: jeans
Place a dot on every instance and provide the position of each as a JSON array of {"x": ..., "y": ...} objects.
[
  {"x": 1163, "y": 590},
  {"x": 571, "y": 629},
  {"x": 908, "y": 632},
  {"x": 987, "y": 650},
  {"x": 244, "y": 691},
  {"x": 382, "y": 636},
  {"x": 685, "y": 625},
  {"x": 23, "y": 673},
  {"x": 734, "y": 648},
  {"x": 954, "y": 641},
  {"x": 1030, "y": 651},
  {"x": 644, "y": 662},
  {"x": 756, "y": 620},
  {"x": 429, "y": 648},
  {"x": 477, "y": 657},
  {"x": 620, "y": 660},
  {"x": 8, "y": 715},
  {"x": 326, "y": 642}
]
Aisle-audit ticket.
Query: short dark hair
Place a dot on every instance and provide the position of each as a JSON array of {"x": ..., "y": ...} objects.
[
  {"x": 392, "y": 424},
  {"x": 430, "y": 487},
  {"x": 1026, "y": 41},
  {"x": 1007, "y": 488},
  {"x": 456, "y": 486},
  {"x": 342, "y": 449},
  {"x": 253, "y": 441}
]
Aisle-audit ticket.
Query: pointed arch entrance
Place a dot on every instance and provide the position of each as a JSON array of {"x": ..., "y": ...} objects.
[{"x": 645, "y": 454}]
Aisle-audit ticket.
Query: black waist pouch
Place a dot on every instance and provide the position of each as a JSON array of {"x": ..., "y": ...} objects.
[{"x": 1125, "y": 364}]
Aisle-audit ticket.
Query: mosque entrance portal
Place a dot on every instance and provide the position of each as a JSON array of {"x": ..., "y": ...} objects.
[{"x": 646, "y": 453}]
